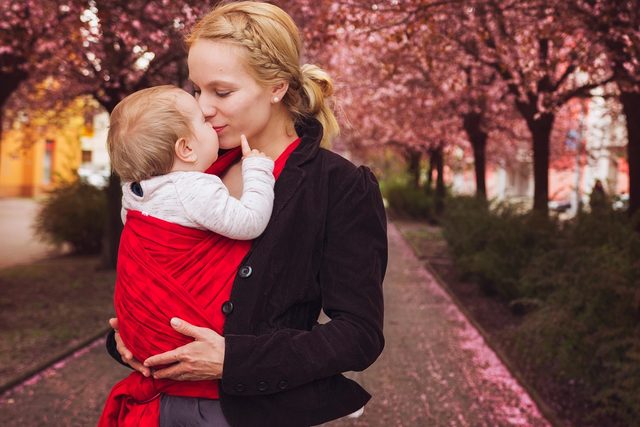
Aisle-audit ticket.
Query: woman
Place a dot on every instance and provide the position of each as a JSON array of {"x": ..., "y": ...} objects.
[{"x": 325, "y": 246}]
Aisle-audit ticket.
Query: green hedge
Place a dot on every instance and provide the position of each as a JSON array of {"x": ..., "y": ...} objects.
[
  {"x": 404, "y": 200},
  {"x": 580, "y": 283},
  {"x": 73, "y": 213},
  {"x": 492, "y": 247}
]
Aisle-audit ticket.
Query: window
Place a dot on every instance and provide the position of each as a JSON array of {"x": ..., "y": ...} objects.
[{"x": 87, "y": 156}]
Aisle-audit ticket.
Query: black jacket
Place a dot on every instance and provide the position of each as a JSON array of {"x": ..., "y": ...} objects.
[{"x": 325, "y": 247}]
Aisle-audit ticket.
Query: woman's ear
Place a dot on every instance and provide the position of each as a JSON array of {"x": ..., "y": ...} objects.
[
  {"x": 184, "y": 152},
  {"x": 278, "y": 91}
]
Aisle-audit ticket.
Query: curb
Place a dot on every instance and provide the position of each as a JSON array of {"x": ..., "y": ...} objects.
[
  {"x": 545, "y": 409},
  {"x": 52, "y": 361}
]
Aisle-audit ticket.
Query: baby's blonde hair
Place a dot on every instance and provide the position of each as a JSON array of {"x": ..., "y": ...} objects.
[
  {"x": 273, "y": 46},
  {"x": 143, "y": 130}
]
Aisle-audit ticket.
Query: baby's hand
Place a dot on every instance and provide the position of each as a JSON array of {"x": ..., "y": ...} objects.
[{"x": 248, "y": 151}]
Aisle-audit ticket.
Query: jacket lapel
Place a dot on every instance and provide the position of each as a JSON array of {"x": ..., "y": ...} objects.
[{"x": 310, "y": 131}]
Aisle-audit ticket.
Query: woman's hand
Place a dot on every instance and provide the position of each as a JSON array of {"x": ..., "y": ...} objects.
[
  {"x": 125, "y": 354},
  {"x": 201, "y": 359}
]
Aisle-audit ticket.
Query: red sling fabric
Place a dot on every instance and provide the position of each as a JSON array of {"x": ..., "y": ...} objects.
[{"x": 166, "y": 270}]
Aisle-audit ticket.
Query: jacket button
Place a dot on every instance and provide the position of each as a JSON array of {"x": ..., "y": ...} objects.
[
  {"x": 263, "y": 386},
  {"x": 239, "y": 388},
  {"x": 245, "y": 271},
  {"x": 283, "y": 384},
  {"x": 227, "y": 307}
]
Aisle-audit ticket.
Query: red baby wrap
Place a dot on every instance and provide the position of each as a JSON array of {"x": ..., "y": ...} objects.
[{"x": 166, "y": 270}]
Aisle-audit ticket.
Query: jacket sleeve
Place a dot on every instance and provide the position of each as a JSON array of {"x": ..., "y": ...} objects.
[
  {"x": 351, "y": 272},
  {"x": 113, "y": 350},
  {"x": 207, "y": 202}
]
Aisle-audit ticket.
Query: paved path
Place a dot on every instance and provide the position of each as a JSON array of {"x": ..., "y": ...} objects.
[
  {"x": 436, "y": 369},
  {"x": 17, "y": 242}
]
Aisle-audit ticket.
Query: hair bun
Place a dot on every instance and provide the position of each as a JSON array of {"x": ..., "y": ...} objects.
[
  {"x": 318, "y": 90},
  {"x": 319, "y": 77}
]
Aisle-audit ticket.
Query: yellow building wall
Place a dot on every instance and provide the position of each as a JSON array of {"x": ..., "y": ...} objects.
[{"x": 23, "y": 153}]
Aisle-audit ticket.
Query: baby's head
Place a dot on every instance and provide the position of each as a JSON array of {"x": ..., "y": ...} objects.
[{"x": 158, "y": 130}]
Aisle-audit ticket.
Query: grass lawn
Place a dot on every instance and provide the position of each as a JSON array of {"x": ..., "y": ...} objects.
[{"x": 48, "y": 307}]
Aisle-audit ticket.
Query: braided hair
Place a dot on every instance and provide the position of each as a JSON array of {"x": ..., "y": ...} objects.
[{"x": 273, "y": 47}]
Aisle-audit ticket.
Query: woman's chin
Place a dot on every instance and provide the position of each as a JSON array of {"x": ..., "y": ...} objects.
[{"x": 229, "y": 143}]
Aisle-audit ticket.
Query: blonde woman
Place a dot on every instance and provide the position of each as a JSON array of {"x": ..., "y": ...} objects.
[{"x": 325, "y": 247}]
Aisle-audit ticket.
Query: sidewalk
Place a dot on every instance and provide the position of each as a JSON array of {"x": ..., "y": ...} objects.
[{"x": 436, "y": 369}]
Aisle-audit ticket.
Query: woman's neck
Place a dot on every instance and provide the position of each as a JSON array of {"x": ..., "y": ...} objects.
[{"x": 276, "y": 137}]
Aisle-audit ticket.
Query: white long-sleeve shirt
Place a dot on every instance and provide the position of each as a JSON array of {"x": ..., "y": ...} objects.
[{"x": 200, "y": 200}]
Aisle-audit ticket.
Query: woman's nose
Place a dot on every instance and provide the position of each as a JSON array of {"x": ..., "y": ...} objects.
[{"x": 207, "y": 107}]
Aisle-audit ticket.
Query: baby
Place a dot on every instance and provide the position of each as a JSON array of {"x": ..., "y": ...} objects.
[
  {"x": 169, "y": 265},
  {"x": 160, "y": 145}
]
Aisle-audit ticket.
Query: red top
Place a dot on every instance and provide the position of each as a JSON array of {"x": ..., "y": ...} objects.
[{"x": 166, "y": 270}]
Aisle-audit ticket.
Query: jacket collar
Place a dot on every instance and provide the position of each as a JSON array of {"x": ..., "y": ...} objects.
[{"x": 310, "y": 131}]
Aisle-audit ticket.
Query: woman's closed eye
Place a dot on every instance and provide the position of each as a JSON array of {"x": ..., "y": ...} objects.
[{"x": 223, "y": 93}]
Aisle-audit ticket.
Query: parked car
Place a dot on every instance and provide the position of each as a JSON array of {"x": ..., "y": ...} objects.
[
  {"x": 620, "y": 202},
  {"x": 559, "y": 206},
  {"x": 96, "y": 176}
]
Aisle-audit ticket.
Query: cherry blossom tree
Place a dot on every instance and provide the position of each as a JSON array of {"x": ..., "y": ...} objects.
[
  {"x": 538, "y": 57},
  {"x": 402, "y": 42},
  {"x": 30, "y": 38}
]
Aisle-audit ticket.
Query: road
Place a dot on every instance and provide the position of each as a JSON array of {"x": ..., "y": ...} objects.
[{"x": 17, "y": 242}]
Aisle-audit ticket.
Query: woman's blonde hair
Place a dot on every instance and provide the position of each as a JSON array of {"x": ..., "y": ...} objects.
[
  {"x": 273, "y": 46},
  {"x": 143, "y": 130}
]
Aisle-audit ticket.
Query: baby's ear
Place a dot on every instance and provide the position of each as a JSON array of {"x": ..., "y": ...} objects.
[{"x": 184, "y": 151}]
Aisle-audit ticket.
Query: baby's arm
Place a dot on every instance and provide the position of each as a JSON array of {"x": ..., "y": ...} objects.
[{"x": 208, "y": 203}]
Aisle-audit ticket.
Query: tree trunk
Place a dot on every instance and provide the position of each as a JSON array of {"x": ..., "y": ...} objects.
[
  {"x": 429, "y": 184},
  {"x": 440, "y": 190},
  {"x": 413, "y": 166},
  {"x": 478, "y": 138},
  {"x": 541, "y": 132},
  {"x": 631, "y": 107},
  {"x": 113, "y": 226}
]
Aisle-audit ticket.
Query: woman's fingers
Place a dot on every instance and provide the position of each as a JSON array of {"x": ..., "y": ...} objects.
[
  {"x": 125, "y": 354},
  {"x": 139, "y": 367},
  {"x": 113, "y": 322},
  {"x": 174, "y": 372},
  {"x": 201, "y": 359},
  {"x": 174, "y": 355},
  {"x": 186, "y": 328},
  {"x": 166, "y": 358}
]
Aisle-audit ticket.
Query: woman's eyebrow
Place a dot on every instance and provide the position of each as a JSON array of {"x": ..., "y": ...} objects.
[
  {"x": 213, "y": 84},
  {"x": 218, "y": 82}
]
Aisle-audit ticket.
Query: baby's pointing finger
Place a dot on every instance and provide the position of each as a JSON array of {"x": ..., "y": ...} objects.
[{"x": 246, "y": 150}]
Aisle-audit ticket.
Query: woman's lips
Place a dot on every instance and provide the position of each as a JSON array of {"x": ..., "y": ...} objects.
[{"x": 219, "y": 129}]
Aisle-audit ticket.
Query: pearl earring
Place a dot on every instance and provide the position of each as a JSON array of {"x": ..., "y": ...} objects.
[{"x": 276, "y": 99}]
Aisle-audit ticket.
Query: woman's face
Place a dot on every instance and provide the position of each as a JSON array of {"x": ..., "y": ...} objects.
[{"x": 231, "y": 99}]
